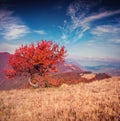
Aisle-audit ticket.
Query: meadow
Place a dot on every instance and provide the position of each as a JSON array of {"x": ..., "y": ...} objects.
[{"x": 94, "y": 101}]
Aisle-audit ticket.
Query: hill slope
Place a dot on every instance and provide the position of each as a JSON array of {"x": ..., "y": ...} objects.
[
  {"x": 3, "y": 60},
  {"x": 95, "y": 101}
]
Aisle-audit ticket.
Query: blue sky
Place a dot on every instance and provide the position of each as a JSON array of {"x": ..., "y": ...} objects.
[{"x": 87, "y": 28}]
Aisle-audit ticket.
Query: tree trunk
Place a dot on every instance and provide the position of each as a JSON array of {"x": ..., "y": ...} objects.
[{"x": 33, "y": 85}]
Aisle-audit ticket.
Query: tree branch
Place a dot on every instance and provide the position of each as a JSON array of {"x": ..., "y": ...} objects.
[{"x": 33, "y": 85}]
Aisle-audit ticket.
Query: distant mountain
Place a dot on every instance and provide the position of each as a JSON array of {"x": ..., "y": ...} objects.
[
  {"x": 6, "y": 84},
  {"x": 3, "y": 60},
  {"x": 68, "y": 67},
  {"x": 111, "y": 67},
  {"x": 112, "y": 70}
]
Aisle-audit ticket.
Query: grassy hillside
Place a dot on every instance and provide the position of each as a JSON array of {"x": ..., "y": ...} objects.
[{"x": 95, "y": 101}]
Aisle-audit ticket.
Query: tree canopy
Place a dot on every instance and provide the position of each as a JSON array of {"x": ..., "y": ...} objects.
[{"x": 40, "y": 58}]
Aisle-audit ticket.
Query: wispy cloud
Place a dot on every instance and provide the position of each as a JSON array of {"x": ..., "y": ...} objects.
[
  {"x": 116, "y": 41},
  {"x": 11, "y": 26},
  {"x": 107, "y": 33},
  {"x": 106, "y": 29},
  {"x": 64, "y": 36},
  {"x": 41, "y": 32},
  {"x": 99, "y": 16},
  {"x": 82, "y": 18},
  {"x": 82, "y": 32}
]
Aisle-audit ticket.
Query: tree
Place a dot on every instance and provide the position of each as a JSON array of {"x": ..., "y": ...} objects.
[{"x": 30, "y": 59}]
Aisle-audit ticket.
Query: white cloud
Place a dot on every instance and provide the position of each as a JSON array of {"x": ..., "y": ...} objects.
[
  {"x": 42, "y": 32},
  {"x": 11, "y": 26},
  {"x": 6, "y": 47},
  {"x": 116, "y": 41},
  {"x": 104, "y": 35},
  {"x": 64, "y": 36},
  {"x": 106, "y": 29},
  {"x": 14, "y": 31}
]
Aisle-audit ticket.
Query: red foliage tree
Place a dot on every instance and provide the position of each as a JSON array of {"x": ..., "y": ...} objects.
[{"x": 30, "y": 59}]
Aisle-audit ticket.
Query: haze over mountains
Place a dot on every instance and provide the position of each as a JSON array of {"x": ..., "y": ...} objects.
[{"x": 98, "y": 65}]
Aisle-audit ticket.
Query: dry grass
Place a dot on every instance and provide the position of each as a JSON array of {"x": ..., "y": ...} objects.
[
  {"x": 89, "y": 76},
  {"x": 95, "y": 101}
]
